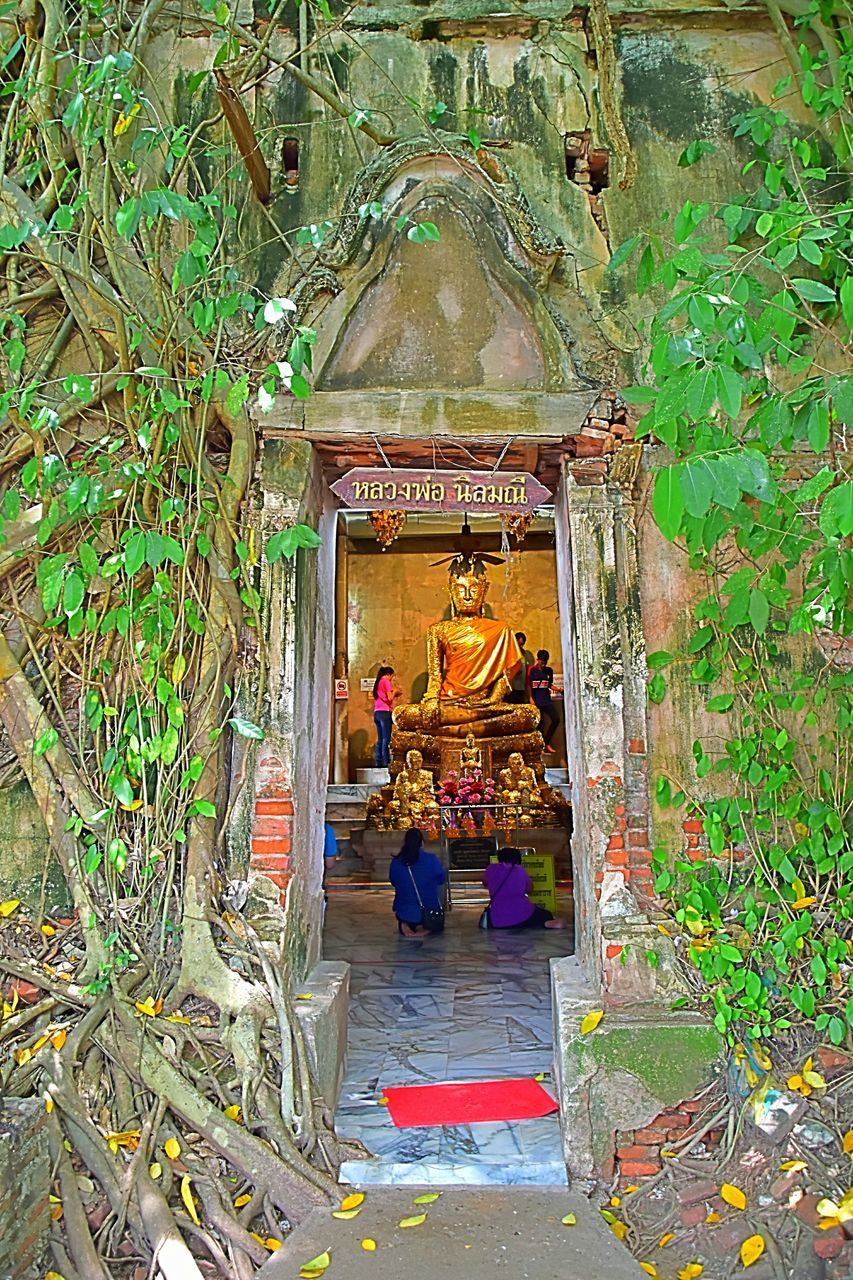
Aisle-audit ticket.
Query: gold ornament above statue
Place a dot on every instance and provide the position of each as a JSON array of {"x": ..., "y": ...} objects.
[
  {"x": 387, "y": 525},
  {"x": 470, "y": 661}
]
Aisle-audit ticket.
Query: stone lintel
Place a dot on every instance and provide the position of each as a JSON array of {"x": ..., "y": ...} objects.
[
  {"x": 385, "y": 13},
  {"x": 413, "y": 414}
]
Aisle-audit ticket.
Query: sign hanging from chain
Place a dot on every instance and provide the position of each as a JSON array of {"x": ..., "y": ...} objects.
[{"x": 402, "y": 489}]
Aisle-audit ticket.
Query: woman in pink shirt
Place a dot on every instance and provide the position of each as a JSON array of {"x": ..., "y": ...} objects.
[
  {"x": 384, "y": 693},
  {"x": 509, "y": 906}
]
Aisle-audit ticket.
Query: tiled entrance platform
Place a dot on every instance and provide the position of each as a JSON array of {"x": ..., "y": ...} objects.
[{"x": 471, "y": 1004}]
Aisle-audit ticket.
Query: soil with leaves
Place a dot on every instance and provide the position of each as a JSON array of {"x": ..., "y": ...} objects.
[{"x": 762, "y": 1189}]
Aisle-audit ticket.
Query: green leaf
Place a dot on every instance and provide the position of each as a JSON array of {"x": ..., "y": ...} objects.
[
  {"x": 205, "y": 808},
  {"x": 134, "y": 553},
  {"x": 722, "y": 702},
  {"x": 645, "y": 270},
  {"x": 846, "y": 295},
  {"x": 122, "y": 789},
  {"x": 246, "y": 728},
  {"x": 656, "y": 687},
  {"x": 759, "y": 610},
  {"x": 660, "y": 658},
  {"x": 623, "y": 253},
  {"x": 697, "y": 486},
  {"x": 668, "y": 502},
  {"x": 813, "y": 290},
  {"x": 46, "y": 740},
  {"x": 694, "y": 151},
  {"x": 73, "y": 593},
  {"x": 836, "y": 512},
  {"x": 729, "y": 390},
  {"x": 127, "y": 218}
]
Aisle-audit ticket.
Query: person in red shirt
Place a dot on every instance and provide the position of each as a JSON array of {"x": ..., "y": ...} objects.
[
  {"x": 540, "y": 678},
  {"x": 384, "y": 694}
]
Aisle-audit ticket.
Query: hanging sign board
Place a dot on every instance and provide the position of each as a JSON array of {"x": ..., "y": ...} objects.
[{"x": 401, "y": 489}]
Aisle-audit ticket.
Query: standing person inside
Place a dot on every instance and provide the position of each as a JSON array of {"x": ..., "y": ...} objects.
[
  {"x": 417, "y": 877},
  {"x": 519, "y": 691},
  {"x": 540, "y": 678},
  {"x": 384, "y": 694},
  {"x": 509, "y": 907}
]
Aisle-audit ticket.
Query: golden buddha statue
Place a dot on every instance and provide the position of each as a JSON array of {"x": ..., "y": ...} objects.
[
  {"x": 519, "y": 784},
  {"x": 471, "y": 757},
  {"x": 414, "y": 803},
  {"x": 470, "y": 660}
]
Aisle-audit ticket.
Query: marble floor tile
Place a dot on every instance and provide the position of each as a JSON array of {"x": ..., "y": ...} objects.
[{"x": 470, "y": 1005}]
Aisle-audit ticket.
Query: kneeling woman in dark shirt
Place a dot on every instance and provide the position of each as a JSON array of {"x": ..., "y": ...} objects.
[
  {"x": 509, "y": 906},
  {"x": 417, "y": 876}
]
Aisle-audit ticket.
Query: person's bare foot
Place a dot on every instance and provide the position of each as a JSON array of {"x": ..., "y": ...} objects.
[{"x": 555, "y": 924}]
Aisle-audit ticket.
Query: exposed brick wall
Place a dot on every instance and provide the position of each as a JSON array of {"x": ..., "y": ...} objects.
[
  {"x": 638, "y": 1151},
  {"x": 272, "y": 825},
  {"x": 601, "y": 434},
  {"x": 24, "y": 1188}
]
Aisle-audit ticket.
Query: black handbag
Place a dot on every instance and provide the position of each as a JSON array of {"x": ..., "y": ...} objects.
[
  {"x": 485, "y": 921},
  {"x": 432, "y": 918}
]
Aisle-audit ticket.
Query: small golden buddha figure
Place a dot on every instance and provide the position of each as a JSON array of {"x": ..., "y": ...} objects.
[
  {"x": 414, "y": 803},
  {"x": 471, "y": 757},
  {"x": 519, "y": 784},
  {"x": 470, "y": 661}
]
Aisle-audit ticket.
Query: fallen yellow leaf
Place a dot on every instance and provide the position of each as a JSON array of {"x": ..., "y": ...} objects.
[
  {"x": 155, "y": 1170},
  {"x": 619, "y": 1229},
  {"x": 666, "y": 933},
  {"x": 669, "y": 1155},
  {"x": 128, "y": 1138},
  {"x": 172, "y": 1148},
  {"x": 801, "y": 903},
  {"x": 591, "y": 1021},
  {"x": 665, "y": 1239},
  {"x": 56, "y": 1212},
  {"x": 58, "y": 1038},
  {"x": 616, "y": 1201},
  {"x": 413, "y": 1222},
  {"x": 272, "y": 1244},
  {"x": 733, "y": 1196},
  {"x": 629, "y": 1191},
  {"x": 798, "y": 1085},
  {"x": 124, "y": 121},
  {"x": 48, "y": 1103},
  {"x": 648, "y": 1267},
  {"x": 712, "y": 1218},
  {"x": 848, "y": 1142},
  {"x": 369, "y": 1246},
  {"x": 48, "y": 930},
  {"x": 691, "y": 1272},
  {"x": 815, "y": 1079},
  {"x": 304, "y": 995},
  {"x": 751, "y": 1250},
  {"x": 187, "y": 1197},
  {"x": 6, "y": 908},
  {"x": 382, "y": 1102},
  {"x": 346, "y": 1214},
  {"x": 353, "y": 1201},
  {"x": 570, "y": 1220},
  {"x": 312, "y": 1273},
  {"x": 241, "y": 1200},
  {"x": 793, "y": 1166},
  {"x": 233, "y": 1112},
  {"x": 429, "y": 1197},
  {"x": 177, "y": 1017}
]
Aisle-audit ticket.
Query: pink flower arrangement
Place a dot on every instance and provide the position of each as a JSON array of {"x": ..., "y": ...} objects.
[{"x": 469, "y": 790}]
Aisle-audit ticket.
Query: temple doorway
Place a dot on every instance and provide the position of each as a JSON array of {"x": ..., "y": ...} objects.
[{"x": 472, "y": 1004}]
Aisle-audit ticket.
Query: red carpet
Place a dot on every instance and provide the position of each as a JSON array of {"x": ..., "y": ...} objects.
[{"x": 471, "y": 1103}]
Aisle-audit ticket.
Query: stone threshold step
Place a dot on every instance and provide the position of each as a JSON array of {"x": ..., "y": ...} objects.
[
  {"x": 482, "y": 1173},
  {"x": 475, "y": 1233}
]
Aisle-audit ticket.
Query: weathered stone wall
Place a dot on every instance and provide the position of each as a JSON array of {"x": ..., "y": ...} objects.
[{"x": 24, "y": 1188}]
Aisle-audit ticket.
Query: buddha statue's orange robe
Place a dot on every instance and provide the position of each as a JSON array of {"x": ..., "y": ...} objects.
[{"x": 474, "y": 654}]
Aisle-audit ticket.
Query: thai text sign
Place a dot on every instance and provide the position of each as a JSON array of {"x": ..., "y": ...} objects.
[{"x": 384, "y": 488}]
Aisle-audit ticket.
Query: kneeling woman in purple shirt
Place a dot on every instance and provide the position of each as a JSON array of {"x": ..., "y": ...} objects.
[{"x": 509, "y": 906}]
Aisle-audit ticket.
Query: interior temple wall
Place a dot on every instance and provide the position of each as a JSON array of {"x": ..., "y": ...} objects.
[{"x": 394, "y": 597}]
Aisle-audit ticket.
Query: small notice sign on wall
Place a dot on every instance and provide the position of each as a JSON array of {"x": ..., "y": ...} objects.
[
  {"x": 367, "y": 684},
  {"x": 341, "y": 690}
]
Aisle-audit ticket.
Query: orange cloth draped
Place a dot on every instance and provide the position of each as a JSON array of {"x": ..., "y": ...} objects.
[{"x": 477, "y": 652}]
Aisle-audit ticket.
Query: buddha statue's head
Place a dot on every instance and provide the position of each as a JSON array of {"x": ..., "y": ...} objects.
[
  {"x": 515, "y": 760},
  {"x": 468, "y": 587},
  {"x": 414, "y": 761}
]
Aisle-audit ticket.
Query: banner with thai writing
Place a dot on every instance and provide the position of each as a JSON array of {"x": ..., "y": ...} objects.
[{"x": 384, "y": 488}]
